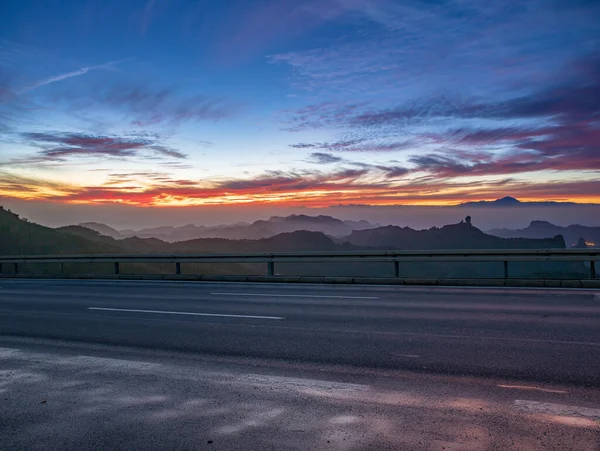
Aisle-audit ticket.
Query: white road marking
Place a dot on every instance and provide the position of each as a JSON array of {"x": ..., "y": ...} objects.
[
  {"x": 528, "y": 387},
  {"x": 164, "y": 312},
  {"x": 548, "y": 408},
  {"x": 296, "y": 295}
]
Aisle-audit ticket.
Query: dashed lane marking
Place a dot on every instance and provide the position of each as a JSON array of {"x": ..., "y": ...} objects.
[{"x": 164, "y": 312}]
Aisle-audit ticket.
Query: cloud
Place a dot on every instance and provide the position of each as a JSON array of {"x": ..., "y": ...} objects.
[
  {"x": 277, "y": 181},
  {"x": 153, "y": 105},
  {"x": 22, "y": 187},
  {"x": 566, "y": 134},
  {"x": 256, "y": 27},
  {"x": 356, "y": 145},
  {"x": 147, "y": 16},
  {"x": 552, "y": 128},
  {"x": 439, "y": 164},
  {"x": 553, "y": 148},
  {"x": 324, "y": 158},
  {"x": 392, "y": 172},
  {"x": 321, "y": 115},
  {"x": 481, "y": 46},
  {"x": 573, "y": 98},
  {"x": 75, "y": 73},
  {"x": 338, "y": 145},
  {"x": 497, "y": 89},
  {"x": 297, "y": 188},
  {"x": 168, "y": 152},
  {"x": 62, "y": 145}
]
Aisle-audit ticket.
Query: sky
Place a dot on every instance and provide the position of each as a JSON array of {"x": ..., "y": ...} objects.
[{"x": 275, "y": 105}]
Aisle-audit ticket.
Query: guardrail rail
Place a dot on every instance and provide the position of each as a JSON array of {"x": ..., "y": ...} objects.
[{"x": 394, "y": 257}]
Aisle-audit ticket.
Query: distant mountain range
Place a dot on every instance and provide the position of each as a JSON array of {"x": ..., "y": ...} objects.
[
  {"x": 18, "y": 236},
  {"x": 256, "y": 230},
  {"x": 328, "y": 225},
  {"x": 544, "y": 229},
  {"x": 512, "y": 202}
]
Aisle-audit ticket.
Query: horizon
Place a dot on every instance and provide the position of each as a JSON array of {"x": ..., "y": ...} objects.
[{"x": 148, "y": 112}]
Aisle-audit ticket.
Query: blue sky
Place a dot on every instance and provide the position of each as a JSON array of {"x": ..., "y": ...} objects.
[{"x": 155, "y": 103}]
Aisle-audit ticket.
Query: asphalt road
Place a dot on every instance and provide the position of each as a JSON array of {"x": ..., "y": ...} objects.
[
  {"x": 187, "y": 366},
  {"x": 526, "y": 334}
]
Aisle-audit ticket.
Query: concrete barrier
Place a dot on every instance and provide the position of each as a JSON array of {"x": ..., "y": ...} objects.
[
  {"x": 473, "y": 282},
  {"x": 539, "y": 283},
  {"x": 571, "y": 284},
  {"x": 590, "y": 283},
  {"x": 379, "y": 281},
  {"x": 414, "y": 281},
  {"x": 552, "y": 283}
]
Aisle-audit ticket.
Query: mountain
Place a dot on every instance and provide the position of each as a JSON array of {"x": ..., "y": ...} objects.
[
  {"x": 18, "y": 236},
  {"x": 88, "y": 234},
  {"x": 545, "y": 229},
  {"x": 298, "y": 241},
  {"x": 504, "y": 202},
  {"x": 102, "y": 228},
  {"x": 454, "y": 236},
  {"x": 256, "y": 230},
  {"x": 512, "y": 202}
]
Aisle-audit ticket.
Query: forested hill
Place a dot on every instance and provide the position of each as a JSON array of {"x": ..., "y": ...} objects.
[{"x": 18, "y": 236}]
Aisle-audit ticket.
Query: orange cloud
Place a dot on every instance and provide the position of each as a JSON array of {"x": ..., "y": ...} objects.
[{"x": 355, "y": 186}]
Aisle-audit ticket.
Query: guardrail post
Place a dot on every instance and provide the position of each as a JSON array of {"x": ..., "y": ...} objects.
[
  {"x": 62, "y": 267},
  {"x": 396, "y": 268},
  {"x": 177, "y": 268},
  {"x": 271, "y": 268},
  {"x": 592, "y": 269},
  {"x": 16, "y": 268},
  {"x": 506, "y": 269},
  {"x": 116, "y": 267},
  {"x": 1, "y": 269}
]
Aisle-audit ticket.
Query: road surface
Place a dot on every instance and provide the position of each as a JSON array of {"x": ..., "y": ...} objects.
[{"x": 157, "y": 365}]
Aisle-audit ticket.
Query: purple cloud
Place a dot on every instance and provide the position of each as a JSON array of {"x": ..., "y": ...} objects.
[
  {"x": 60, "y": 145},
  {"x": 392, "y": 172},
  {"x": 324, "y": 158},
  {"x": 278, "y": 181}
]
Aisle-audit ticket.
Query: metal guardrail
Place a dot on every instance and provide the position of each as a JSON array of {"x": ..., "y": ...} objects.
[{"x": 395, "y": 257}]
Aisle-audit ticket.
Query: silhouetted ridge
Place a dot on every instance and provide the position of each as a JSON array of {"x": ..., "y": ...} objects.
[{"x": 453, "y": 236}]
